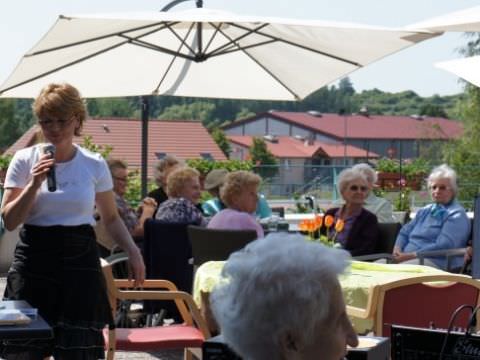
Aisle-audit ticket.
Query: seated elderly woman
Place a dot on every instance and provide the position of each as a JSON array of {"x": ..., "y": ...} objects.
[
  {"x": 302, "y": 317},
  {"x": 213, "y": 182},
  {"x": 441, "y": 225},
  {"x": 239, "y": 193},
  {"x": 183, "y": 190},
  {"x": 360, "y": 232},
  {"x": 379, "y": 206},
  {"x": 133, "y": 219},
  {"x": 161, "y": 171}
]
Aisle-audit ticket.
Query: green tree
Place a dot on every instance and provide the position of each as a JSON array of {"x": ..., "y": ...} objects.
[
  {"x": 200, "y": 110},
  {"x": 221, "y": 139},
  {"x": 105, "y": 107},
  {"x": 433, "y": 110},
  {"x": 9, "y": 130},
  {"x": 262, "y": 158},
  {"x": 464, "y": 153}
]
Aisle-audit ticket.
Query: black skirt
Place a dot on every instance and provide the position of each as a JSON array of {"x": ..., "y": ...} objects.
[{"x": 57, "y": 270}]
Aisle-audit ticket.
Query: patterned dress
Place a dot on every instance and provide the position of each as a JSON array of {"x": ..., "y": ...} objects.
[{"x": 180, "y": 211}]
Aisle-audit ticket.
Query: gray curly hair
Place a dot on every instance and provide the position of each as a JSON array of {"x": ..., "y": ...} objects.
[{"x": 270, "y": 293}]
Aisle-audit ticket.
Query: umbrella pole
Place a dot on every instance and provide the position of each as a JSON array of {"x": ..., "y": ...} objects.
[{"x": 145, "y": 102}]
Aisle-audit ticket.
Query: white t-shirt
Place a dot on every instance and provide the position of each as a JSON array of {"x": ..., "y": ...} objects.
[{"x": 78, "y": 180}]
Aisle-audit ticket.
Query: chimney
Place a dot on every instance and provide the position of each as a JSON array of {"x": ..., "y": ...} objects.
[
  {"x": 364, "y": 111},
  {"x": 314, "y": 113},
  {"x": 271, "y": 138}
]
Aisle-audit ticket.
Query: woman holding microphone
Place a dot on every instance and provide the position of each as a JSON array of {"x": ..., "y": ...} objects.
[{"x": 56, "y": 266}]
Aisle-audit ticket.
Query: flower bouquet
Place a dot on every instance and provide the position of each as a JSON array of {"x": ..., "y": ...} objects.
[{"x": 311, "y": 227}]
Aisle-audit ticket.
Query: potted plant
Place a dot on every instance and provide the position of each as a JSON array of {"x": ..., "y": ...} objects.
[{"x": 412, "y": 173}]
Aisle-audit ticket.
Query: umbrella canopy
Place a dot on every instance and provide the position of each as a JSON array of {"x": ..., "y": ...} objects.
[
  {"x": 462, "y": 20},
  {"x": 466, "y": 68},
  {"x": 200, "y": 53}
]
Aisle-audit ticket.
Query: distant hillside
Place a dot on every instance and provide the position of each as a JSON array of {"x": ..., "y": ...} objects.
[{"x": 16, "y": 115}]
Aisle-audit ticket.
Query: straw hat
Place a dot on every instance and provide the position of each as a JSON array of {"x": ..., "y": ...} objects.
[{"x": 214, "y": 179}]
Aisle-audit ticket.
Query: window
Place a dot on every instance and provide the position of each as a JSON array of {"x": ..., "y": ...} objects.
[{"x": 206, "y": 156}]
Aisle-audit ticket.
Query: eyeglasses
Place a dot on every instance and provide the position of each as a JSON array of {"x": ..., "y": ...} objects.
[
  {"x": 439, "y": 187},
  {"x": 61, "y": 123},
  {"x": 356, "y": 188}
]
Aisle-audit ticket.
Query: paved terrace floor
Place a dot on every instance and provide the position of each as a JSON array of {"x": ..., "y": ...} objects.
[{"x": 120, "y": 355}]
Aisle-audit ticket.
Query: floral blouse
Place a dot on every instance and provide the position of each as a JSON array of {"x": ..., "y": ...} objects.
[
  {"x": 180, "y": 211},
  {"x": 128, "y": 215}
]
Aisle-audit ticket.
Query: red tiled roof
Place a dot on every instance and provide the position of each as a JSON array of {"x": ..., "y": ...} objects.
[
  {"x": 369, "y": 127},
  {"x": 184, "y": 139},
  {"x": 289, "y": 147}
]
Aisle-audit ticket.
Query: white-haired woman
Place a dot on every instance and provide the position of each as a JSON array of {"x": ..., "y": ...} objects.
[
  {"x": 278, "y": 306},
  {"x": 381, "y": 207},
  {"x": 441, "y": 225},
  {"x": 360, "y": 231}
]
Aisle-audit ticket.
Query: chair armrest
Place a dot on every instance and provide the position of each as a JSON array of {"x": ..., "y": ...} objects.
[
  {"x": 182, "y": 300},
  {"x": 447, "y": 253},
  {"x": 443, "y": 252},
  {"x": 357, "y": 312},
  {"x": 147, "y": 284},
  {"x": 116, "y": 258},
  {"x": 371, "y": 257}
]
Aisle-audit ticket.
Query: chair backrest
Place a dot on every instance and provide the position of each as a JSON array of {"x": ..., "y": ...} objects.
[
  {"x": 413, "y": 302},
  {"x": 387, "y": 235},
  {"x": 167, "y": 254},
  {"x": 217, "y": 244}
]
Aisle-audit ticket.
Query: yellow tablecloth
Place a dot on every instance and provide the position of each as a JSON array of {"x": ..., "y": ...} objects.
[{"x": 356, "y": 282}]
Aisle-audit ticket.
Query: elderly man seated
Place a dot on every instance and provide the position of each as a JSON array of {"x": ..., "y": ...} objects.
[
  {"x": 441, "y": 225},
  {"x": 283, "y": 301}
]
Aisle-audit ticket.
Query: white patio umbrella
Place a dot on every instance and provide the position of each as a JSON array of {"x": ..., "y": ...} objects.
[
  {"x": 199, "y": 53},
  {"x": 465, "y": 68},
  {"x": 463, "y": 20}
]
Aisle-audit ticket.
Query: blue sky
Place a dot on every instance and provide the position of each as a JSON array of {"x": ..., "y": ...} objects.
[{"x": 23, "y": 22}]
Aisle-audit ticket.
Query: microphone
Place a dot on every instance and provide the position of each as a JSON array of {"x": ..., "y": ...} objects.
[{"x": 51, "y": 178}]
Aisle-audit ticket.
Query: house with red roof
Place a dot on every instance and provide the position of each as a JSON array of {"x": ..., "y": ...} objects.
[
  {"x": 184, "y": 139},
  {"x": 385, "y": 135},
  {"x": 298, "y": 156}
]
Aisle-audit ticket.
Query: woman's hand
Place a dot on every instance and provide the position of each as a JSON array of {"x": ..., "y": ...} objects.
[
  {"x": 147, "y": 207},
  {"x": 136, "y": 266},
  {"x": 396, "y": 251},
  {"x": 399, "y": 256},
  {"x": 40, "y": 169}
]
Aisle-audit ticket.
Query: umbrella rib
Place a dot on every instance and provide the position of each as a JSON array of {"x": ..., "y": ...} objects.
[
  {"x": 180, "y": 38},
  {"x": 235, "y": 48},
  {"x": 232, "y": 42},
  {"x": 60, "y": 68},
  {"x": 150, "y": 46},
  {"x": 213, "y": 35},
  {"x": 266, "y": 70},
  {"x": 119, "y": 33},
  {"x": 182, "y": 43},
  {"x": 300, "y": 46}
]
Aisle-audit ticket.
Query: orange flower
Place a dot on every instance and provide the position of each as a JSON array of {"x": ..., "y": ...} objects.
[
  {"x": 340, "y": 224},
  {"x": 303, "y": 225},
  {"x": 311, "y": 225},
  {"x": 329, "y": 221},
  {"x": 319, "y": 220}
]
